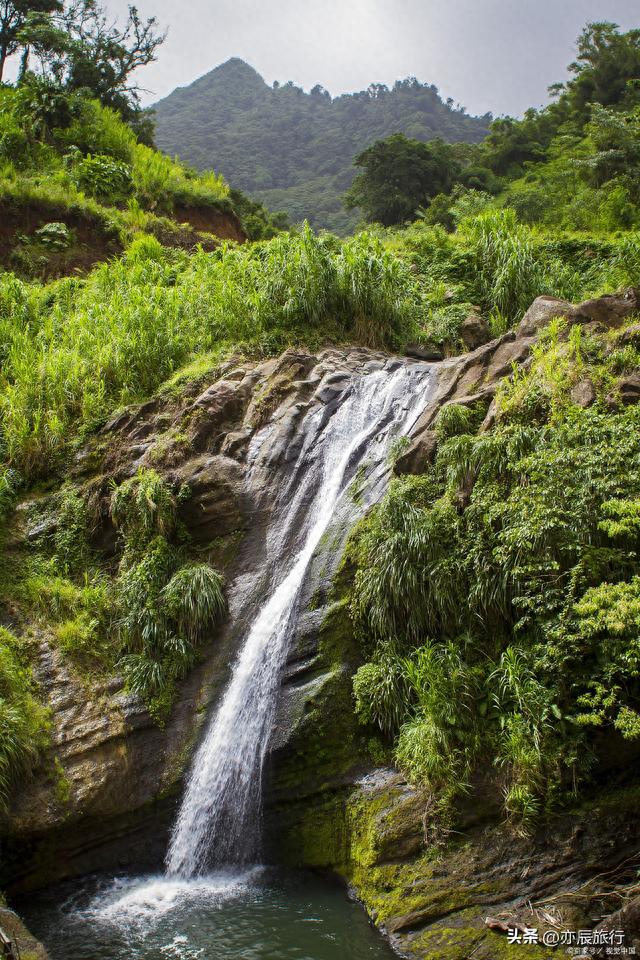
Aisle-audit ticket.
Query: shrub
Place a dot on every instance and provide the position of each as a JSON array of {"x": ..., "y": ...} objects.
[
  {"x": 143, "y": 507},
  {"x": 380, "y": 691},
  {"x": 102, "y": 177},
  {"x": 529, "y": 581},
  {"x": 55, "y": 235},
  {"x": 454, "y": 420},
  {"x": 194, "y": 599}
]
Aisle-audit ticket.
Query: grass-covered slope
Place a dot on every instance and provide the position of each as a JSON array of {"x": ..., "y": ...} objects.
[
  {"x": 293, "y": 150},
  {"x": 74, "y": 350},
  {"x": 76, "y": 185}
]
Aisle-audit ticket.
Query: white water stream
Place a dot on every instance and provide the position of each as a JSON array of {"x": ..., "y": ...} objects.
[{"x": 219, "y": 819}]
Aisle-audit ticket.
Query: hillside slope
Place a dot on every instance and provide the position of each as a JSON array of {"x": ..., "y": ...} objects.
[{"x": 293, "y": 150}]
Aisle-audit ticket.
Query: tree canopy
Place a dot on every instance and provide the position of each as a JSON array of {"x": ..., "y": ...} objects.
[
  {"x": 76, "y": 46},
  {"x": 400, "y": 175}
]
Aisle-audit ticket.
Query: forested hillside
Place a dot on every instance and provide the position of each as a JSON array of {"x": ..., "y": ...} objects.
[
  {"x": 294, "y": 150},
  {"x": 572, "y": 165}
]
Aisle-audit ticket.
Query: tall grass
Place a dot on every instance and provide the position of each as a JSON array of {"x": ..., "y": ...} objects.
[
  {"x": 72, "y": 352},
  {"x": 162, "y": 183},
  {"x": 510, "y": 272}
]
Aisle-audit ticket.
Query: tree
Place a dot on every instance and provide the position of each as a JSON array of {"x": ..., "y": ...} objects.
[
  {"x": 102, "y": 55},
  {"x": 399, "y": 175},
  {"x": 14, "y": 15},
  {"x": 79, "y": 48},
  {"x": 605, "y": 69}
]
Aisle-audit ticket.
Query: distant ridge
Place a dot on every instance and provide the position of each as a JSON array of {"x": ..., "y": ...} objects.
[{"x": 294, "y": 150}]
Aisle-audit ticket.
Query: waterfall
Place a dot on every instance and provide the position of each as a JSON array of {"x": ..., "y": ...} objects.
[{"x": 218, "y": 822}]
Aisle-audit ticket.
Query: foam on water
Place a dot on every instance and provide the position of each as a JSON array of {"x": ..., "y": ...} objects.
[{"x": 132, "y": 903}]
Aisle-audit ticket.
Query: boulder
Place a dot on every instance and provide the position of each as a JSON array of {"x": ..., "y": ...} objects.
[
  {"x": 511, "y": 351},
  {"x": 629, "y": 389},
  {"x": 607, "y": 311},
  {"x": 630, "y": 336},
  {"x": 421, "y": 452},
  {"x": 474, "y": 332},
  {"x": 427, "y": 352},
  {"x": 610, "y": 310},
  {"x": 583, "y": 394},
  {"x": 542, "y": 310}
]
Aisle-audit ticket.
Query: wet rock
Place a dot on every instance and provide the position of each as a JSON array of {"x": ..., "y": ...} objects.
[
  {"x": 420, "y": 454},
  {"x": 333, "y": 386},
  {"x": 213, "y": 508},
  {"x": 426, "y": 900},
  {"x": 28, "y": 947},
  {"x": 235, "y": 444},
  {"x": 627, "y": 921},
  {"x": 427, "y": 352}
]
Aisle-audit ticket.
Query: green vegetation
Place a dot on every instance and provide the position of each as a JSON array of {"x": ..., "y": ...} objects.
[
  {"x": 79, "y": 47},
  {"x": 572, "y": 165},
  {"x": 148, "y": 618},
  {"x": 166, "y": 607},
  {"x": 499, "y": 265},
  {"x": 23, "y": 721},
  {"x": 498, "y": 596},
  {"x": 398, "y": 176},
  {"x": 293, "y": 150},
  {"x": 75, "y": 350},
  {"x": 51, "y": 137}
]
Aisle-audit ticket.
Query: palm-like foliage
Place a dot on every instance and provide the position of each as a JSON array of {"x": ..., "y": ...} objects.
[{"x": 194, "y": 599}]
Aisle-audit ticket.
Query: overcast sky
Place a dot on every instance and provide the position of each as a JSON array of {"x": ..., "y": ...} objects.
[{"x": 497, "y": 55}]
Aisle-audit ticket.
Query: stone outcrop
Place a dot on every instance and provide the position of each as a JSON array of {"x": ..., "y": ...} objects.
[
  {"x": 434, "y": 901},
  {"x": 14, "y": 930},
  {"x": 474, "y": 332},
  {"x": 609, "y": 311}
]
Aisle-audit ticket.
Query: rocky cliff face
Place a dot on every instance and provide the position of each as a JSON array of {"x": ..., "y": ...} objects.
[{"x": 105, "y": 795}]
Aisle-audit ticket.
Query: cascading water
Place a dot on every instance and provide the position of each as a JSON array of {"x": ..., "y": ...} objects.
[
  {"x": 310, "y": 455},
  {"x": 219, "y": 818}
]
